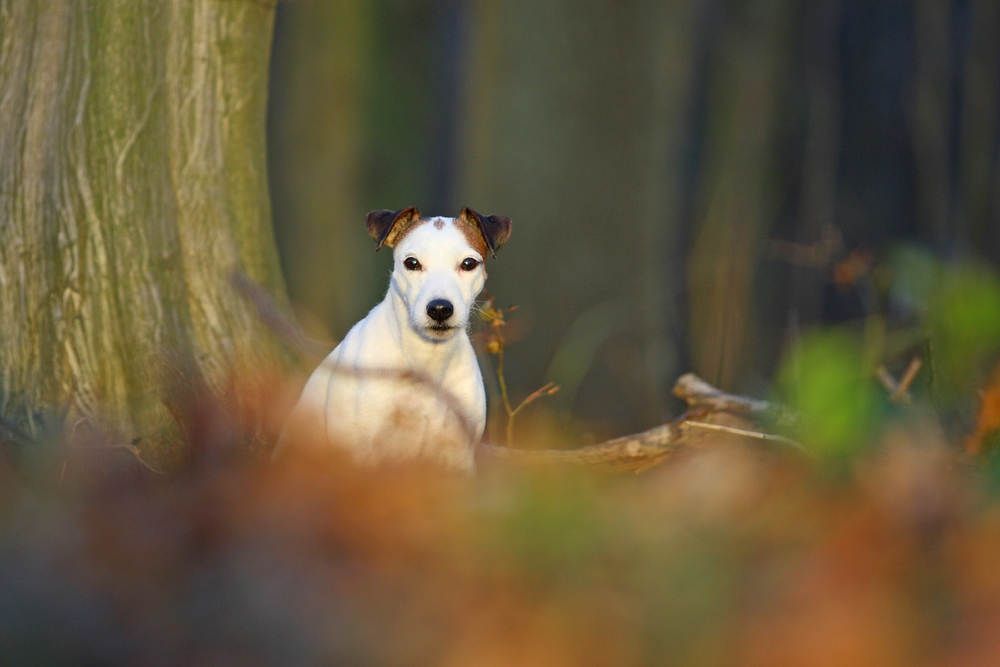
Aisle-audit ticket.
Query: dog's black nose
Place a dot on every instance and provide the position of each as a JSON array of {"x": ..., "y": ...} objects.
[{"x": 439, "y": 310}]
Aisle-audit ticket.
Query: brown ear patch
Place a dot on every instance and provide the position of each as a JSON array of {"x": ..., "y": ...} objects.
[
  {"x": 472, "y": 235},
  {"x": 388, "y": 227},
  {"x": 485, "y": 232}
]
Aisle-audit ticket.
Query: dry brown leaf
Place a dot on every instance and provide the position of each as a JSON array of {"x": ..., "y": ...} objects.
[{"x": 988, "y": 419}]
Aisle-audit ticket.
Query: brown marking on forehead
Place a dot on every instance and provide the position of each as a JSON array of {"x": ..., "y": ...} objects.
[
  {"x": 439, "y": 224},
  {"x": 472, "y": 236}
]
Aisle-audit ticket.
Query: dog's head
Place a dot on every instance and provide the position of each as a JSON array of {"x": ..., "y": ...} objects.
[{"x": 439, "y": 264}]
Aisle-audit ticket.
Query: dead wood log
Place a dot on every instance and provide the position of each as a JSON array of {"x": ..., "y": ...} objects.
[
  {"x": 699, "y": 394},
  {"x": 641, "y": 451},
  {"x": 631, "y": 453}
]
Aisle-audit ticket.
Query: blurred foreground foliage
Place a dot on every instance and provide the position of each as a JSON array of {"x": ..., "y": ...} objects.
[
  {"x": 730, "y": 554},
  {"x": 961, "y": 307},
  {"x": 942, "y": 318},
  {"x": 832, "y": 392},
  {"x": 733, "y": 552}
]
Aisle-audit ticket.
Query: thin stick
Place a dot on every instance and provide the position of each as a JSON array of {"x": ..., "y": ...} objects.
[
  {"x": 503, "y": 390},
  {"x": 902, "y": 391},
  {"x": 899, "y": 391},
  {"x": 748, "y": 434},
  {"x": 546, "y": 389},
  {"x": 885, "y": 377}
]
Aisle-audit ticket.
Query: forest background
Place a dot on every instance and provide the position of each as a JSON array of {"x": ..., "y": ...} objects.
[
  {"x": 797, "y": 200},
  {"x": 693, "y": 184}
]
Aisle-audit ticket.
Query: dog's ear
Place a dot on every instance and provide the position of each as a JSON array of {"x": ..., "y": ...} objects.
[
  {"x": 385, "y": 227},
  {"x": 495, "y": 229}
]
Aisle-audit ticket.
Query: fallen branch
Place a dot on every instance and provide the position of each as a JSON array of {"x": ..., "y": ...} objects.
[
  {"x": 699, "y": 394},
  {"x": 642, "y": 451},
  {"x": 632, "y": 453}
]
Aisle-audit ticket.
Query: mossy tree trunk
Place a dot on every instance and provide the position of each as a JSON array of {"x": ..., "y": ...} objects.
[{"x": 132, "y": 184}]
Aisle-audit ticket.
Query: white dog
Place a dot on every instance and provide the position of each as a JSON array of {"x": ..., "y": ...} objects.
[{"x": 404, "y": 383}]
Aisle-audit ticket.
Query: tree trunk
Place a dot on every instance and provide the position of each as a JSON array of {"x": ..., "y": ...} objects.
[
  {"x": 739, "y": 196},
  {"x": 979, "y": 150},
  {"x": 573, "y": 127},
  {"x": 132, "y": 185}
]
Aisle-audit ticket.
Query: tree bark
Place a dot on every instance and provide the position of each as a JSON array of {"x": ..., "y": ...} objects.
[
  {"x": 574, "y": 127},
  {"x": 738, "y": 196},
  {"x": 132, "y": 185}
]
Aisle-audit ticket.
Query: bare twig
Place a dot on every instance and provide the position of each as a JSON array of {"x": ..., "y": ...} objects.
[
  {"x": 699, "y": 394},
  {"x": 494, "y": 318},
  {"x": 633, "y": 453},
  {"x": 757, "y": 435},
  {"x": 902, "y": 391},
  {"x": 885, "y": 378},
  {"x": 899, "y": 391},
  {"x": 547, "y": 389}
]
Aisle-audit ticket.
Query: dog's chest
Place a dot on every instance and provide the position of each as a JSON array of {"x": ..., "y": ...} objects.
[
  {"x": 408, "y": 406},
  {"x": 400, "y": 419}
]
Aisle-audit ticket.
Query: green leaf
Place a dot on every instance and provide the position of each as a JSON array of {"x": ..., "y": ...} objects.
[{"x": 828, "y": 382}]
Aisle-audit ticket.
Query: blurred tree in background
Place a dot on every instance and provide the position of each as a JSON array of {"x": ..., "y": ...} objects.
[
  {"x": 132, "y": 183},
  {"x": 693, "y": 183}
]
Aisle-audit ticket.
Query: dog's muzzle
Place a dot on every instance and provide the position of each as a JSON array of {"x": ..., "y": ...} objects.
[{"x": 440, "y": 310}]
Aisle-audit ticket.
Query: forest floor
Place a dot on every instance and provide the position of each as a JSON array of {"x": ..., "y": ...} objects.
[{"x": 731, "y": 551}]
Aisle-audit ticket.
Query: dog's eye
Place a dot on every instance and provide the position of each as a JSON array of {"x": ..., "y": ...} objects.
[
  {"x": 411, "y": 264},
  {"x": 469, "y": 264}
]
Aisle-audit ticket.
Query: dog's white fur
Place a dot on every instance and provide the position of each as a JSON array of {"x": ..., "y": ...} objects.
[{"x": 376, "y": 394}]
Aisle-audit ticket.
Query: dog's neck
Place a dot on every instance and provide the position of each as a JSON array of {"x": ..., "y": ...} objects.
[{"x": 429, "y": 356}]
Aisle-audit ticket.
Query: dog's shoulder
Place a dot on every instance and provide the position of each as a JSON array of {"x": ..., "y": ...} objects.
[{"x": 369, "y": 342}]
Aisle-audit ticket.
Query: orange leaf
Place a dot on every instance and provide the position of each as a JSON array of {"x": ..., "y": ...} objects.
[{"x": 988, "y": 419}]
